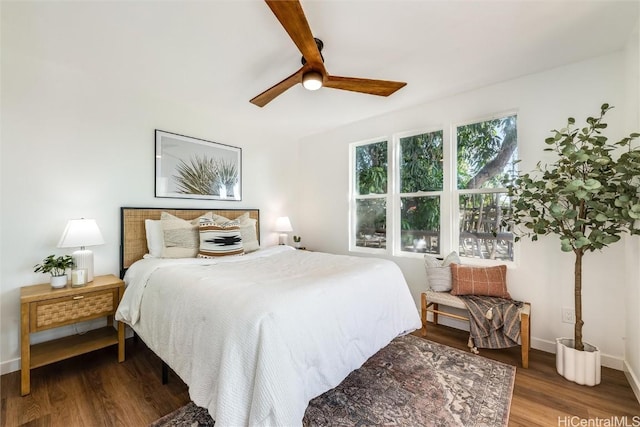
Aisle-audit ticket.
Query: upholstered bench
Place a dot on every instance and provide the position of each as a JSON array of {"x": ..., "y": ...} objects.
[{"x": 431, "y": 301}]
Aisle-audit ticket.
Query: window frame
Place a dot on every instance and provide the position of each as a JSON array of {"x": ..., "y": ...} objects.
[
  {"x": 449, "y": 195},
  {"x": 397, "y": 196},
  {"x": 457, "y": 192},
  {"x": 354, "y": 196}
]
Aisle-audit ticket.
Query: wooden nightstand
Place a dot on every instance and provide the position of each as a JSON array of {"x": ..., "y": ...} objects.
[{"x": 42, "y": 307}]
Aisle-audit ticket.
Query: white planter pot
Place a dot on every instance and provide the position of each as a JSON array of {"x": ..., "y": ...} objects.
[
  {"x": 58, "y": 281},
  {"x": 581, "y": 367}
]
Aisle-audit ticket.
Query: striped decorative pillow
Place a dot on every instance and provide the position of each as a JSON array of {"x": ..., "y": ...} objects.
[{"x": 219, "y": 239}]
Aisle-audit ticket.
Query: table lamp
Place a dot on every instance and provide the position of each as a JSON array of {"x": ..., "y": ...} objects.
[
  {"x": 81, "y": 233},
  {"x": 283, "y": 226}
]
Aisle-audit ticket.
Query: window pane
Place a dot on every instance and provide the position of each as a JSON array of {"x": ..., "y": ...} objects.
[
  {"x": 481, "y": 234},
  {"x": 486, "y": 153},
  {"x": 371, "y": 168},
  {"x": 420, "y": 224},
  {"x": 371, "y": 225},
  {"x": 421, "y": 162}
]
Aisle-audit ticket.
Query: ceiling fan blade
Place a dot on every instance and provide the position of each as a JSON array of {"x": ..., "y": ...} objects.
[
  {"x": 354, "y": 84},
  {"x": 292, "y": 18},
  {"x": 278, "y": 89}
]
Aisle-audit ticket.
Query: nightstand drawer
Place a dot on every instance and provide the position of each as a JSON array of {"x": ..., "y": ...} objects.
[{"x": 72, "y": 309}]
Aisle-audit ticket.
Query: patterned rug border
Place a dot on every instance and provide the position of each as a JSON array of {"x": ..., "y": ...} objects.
[{"x": 402, "y": 391}]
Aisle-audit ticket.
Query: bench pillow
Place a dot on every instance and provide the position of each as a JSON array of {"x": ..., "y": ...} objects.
[
  {"x": 489, "y": 281},
  {"x": 439, "y": 273}
]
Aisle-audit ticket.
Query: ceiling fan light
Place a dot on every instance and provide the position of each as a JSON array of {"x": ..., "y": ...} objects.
[{"x": 312, "y": 80}]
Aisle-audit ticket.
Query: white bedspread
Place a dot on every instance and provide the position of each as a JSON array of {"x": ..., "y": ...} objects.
[{"x": 256, "y": 337}]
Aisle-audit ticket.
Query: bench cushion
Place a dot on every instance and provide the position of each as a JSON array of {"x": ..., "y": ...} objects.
[{"x": 445, "y": 298}]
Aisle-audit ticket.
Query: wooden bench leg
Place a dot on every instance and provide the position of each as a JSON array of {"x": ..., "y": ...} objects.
[
  {"x": 435, "y": 313},
  {"x": 525, "y": 336},
  {"x": 423, "y": 314},
  {"x": 424, "y": 304}
]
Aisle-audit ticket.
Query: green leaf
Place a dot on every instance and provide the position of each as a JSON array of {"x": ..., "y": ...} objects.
[
  {"x": 582, "y": 241},
  {"x": 592, "y": 184},
  {"x": 610, "y": 239},
  {"x": 581, "y": 194},
  {"x": 582, "y": 155},
  {"x": 565, "y": 246},
  {"x": 574, "y": 185},
  {"x": 556, "y": 208}
]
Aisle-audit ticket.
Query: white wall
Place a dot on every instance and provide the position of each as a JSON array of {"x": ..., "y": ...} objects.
[
  {"x": 544, "y": 275},
  {"x": 632, "y": 347},
  {"x": 78, "y": 145}
]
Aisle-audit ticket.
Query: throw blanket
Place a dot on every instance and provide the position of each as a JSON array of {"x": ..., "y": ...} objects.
[{"x": 493, "y": 322}]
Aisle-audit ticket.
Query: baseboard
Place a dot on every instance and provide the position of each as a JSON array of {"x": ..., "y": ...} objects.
[
  {"x": 10, "y": 366},
  {"x": 633, "y": 380},
  {"x": 606, "y": 360}
]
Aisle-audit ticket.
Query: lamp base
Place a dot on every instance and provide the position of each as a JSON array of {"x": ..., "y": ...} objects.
[
  {"x": 84, "y": 260},
  {"x": 282, "y": 240}
]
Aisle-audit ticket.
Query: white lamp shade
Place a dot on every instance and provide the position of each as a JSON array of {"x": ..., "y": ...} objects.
[
  {"x": 80, "y": 233},
  {"x": 283, "y": 225}
]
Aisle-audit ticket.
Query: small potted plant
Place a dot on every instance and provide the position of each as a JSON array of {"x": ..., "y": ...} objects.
[
  {"x": 296, "y": 241},
  {"x": 57, "y": 267}
]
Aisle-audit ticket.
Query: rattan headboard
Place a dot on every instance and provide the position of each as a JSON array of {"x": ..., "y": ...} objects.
[{"x": 133, "y": 240}]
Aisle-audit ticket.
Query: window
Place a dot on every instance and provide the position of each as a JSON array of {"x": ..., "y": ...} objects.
[
  {"x": 435, "y": 191},
  {"x": 371, "y": 180},
  {"x": 421, "y": 183},
  {"x": 486, "y": 154}
]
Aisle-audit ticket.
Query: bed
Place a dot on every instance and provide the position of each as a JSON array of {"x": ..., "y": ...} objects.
[{"x": 256, "y": 337}]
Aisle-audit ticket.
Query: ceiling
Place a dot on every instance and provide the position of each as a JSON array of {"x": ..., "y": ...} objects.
[{"x": 214, "y": 56}]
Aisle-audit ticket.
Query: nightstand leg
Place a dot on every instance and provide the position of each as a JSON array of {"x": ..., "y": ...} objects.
[
  {"x": 25, "y": 351},
  {"x": 120, "y": 342}
]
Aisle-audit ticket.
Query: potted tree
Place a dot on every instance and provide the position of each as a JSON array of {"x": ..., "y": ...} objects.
[
  {"x": 57, "y": 267},
  {"x": 589, "y": 197}
]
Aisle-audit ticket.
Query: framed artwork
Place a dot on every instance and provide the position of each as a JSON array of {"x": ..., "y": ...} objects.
[{"x": 192, "y": 168}]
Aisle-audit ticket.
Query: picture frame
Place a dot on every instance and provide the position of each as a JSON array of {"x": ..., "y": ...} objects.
[{"x": 193, "y": 168}]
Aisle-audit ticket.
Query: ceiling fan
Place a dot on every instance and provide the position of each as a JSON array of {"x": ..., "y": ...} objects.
[{"x": 313, "y": 75}]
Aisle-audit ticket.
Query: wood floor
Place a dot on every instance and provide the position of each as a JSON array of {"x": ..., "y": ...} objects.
[{"x": 96, "y": 390}]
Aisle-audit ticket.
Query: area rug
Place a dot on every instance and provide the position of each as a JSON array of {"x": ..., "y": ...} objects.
[{"x": 410, "y": 382}]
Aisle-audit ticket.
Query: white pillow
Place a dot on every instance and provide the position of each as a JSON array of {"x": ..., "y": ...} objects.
[
  {"x": 155, "y": 237},
  {"x": 439, "y": 272},
  {"x": 249, "y": 235},
  {"x": 181, "y": 238}
]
